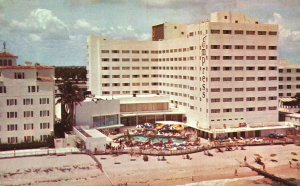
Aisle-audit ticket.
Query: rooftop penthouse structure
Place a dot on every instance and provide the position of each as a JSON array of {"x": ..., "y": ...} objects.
[{"x": 221, "y": 73}]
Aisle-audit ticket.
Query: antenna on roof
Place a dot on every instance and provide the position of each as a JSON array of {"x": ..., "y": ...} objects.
[{"x": 4, "y": 46}]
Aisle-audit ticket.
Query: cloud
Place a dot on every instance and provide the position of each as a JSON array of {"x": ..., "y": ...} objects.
[
  {"x": 285, "y": 33},
  {"x": 42, "y": 24},
  {"x": 91, "y": 2},
  {"x": 83, "y": 25}
]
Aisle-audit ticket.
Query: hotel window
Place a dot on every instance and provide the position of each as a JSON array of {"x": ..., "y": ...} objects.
[
  {"x": 227, "y": 99},
  {"x": 12, "y": 127},
  {"x": 12, "y": 140},
  {"x": 215, "y": 100},
  {"x": 215, "y": 46},
  {"x": 239, "y": 32},
  {"x": 227, "y": 110},
  {"x": 116, "y": 68},
  {"x": 135, "y": 52},
  {"x": 261, "y": 32},
  {"x": 273, "y": 108},
  {"x": 227, "y": 46},
  {"x": 261, "y": 47},
  {"x": 105, "y": 84},
  {"x": 19, "y": 75},
  {"x": 135, "y": 68},
  {"x": 272, "y": 68},
  {"x": 145, "y": 52},
  {"x": 126, "y": 84},
  {"x": 239, "y": 57},
  {"x": 12, "y": 115},
  {"x": 215, "y": 57},
  {"x": 250, "y": 99},
  {"x": 125, "y": 59},
  {"x": 28, "y": 126},
  {"x": 239, "y": 47},
  {"x": 281, "y": 86},
  {"x": 33, "y": 88},
  {"x": 135, "y": 76},
  {"x": 249, "y": 89},
  {"x": 238, "y": 68},
  {"x": 239, "y": 78},
  {"x": 115, "y": 59},
  {"x": 28, "y": 138},
  {"x": 250, "y": 78},
  {"x": 104, "y": 51},
  {"x": 115, "y": 76},
  {"x": 272, "y": 47},
  {"x": 105, "y": 76},
  {"x": 250, "y": 68},
  {"x": 227, "y": 89},
  {"x": 261, "y": 68},
  {"x": 261, "y": 98},
  {"x": 145, "y": 75},
  {"x": 44, "y": 113},
  {"x": 272, "y": 98},
  {"x": 125, "y": 51},
  {"x": 27, "y": 114},
  {"x": 250, "y": 32},
  {"x": 227, "y": 68},
  {"x": 274, "y": 33},
  {"x": 227, "y": 57},
  {"x": 250, "y": 47},
  {"x": 116, "y": 84},
  {"x": 226, "y": 31},
  {"x": 28, "y": 101},
  {"x": 44, "y": 137},
  {"x": 261, "y": 78},
  {"x": 272, "y": 57},
  {"x": 145, "y": 59},
  {"x": 250, "y": 57},
  {"x": 215, "y": 31},
  {"x": 261, "y": 89},
  {"x": 125, "y": 68},
  {"x": 227, "y": 78},
  {"x": 105, "y": 59},
  {"x": 44, "y": 125},
  {"x": 261, "y": 108},
  {"x": 289, "y": 87},
  {"x": 272, "y": 78},
  {"x": 239, "y": 109},
  {"x": 215, "y": 79},
  {"x": 280, "y": 79},
  {"x": 215, "y": 90},
  {"x": 215, "y": 68},
  {"x": 215, "y": 110},
  {"x": 250, "y": 109},
  {"x": 261, "y": 58},
  {"x": 105, "y": 68},
  {"x": 10, "y": 102},
  {"x": 115, "y": 51},
  {"x": 105, "y": 92},
  {"x": 239, "y": 89}
]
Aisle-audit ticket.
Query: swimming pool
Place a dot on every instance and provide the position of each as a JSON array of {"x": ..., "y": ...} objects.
[{"x": 154, "y": 140}]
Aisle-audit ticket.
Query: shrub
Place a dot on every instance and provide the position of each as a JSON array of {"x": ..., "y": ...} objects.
[{"x": 145, "y": 158}]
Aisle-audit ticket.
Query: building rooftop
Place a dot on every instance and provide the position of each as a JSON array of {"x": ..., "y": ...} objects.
[
  {"x": 7, "y": 55},
  {"x": 26, "y": 67}
]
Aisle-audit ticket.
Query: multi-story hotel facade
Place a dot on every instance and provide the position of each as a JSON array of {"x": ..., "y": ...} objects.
[
  {"x": 289, "y": 79},
  {"x": 26, "y": 101},
  {"x": 221, "y": 73}
]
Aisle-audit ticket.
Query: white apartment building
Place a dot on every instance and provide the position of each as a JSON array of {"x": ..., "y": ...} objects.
[
  {"x": 26, "y": 101},
  {"x": 222, "y": 72},
  {"x": 289, "y": 79}
]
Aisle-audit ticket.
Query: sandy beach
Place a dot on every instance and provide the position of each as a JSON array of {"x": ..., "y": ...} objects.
[{"x": 218, "y": 169}]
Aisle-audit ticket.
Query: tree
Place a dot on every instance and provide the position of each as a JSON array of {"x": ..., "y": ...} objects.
[{"x": 70, "y": 96}]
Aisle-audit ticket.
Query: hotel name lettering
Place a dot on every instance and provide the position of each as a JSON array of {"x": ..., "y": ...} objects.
[{"x": 203, "y": 67}]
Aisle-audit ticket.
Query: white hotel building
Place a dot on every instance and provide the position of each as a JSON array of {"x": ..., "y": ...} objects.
[
  {"x": 26, "y": 101},
  {"x": 222, "y": 73}
]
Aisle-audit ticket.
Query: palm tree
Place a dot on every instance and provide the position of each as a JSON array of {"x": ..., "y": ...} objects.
[{"x": 70, "y": 96}]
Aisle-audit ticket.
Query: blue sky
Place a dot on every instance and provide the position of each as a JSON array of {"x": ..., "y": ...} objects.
[{"x": 54, "y": 32}]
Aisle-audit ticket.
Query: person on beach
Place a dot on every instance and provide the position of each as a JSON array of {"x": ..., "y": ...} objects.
[
  {"x": 298, "y": 166},
  {"x": 290, "y": 164},
  {"x": 264, "y": 167},
  {"x": 245, "y": 159},
  {"x": 235, "y": 172}
]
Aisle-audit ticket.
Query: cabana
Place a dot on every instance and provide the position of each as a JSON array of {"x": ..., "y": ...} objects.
[{"x": 172, "y": 125}]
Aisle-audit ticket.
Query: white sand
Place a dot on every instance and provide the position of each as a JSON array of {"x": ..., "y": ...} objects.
[{"x": 81, "y": 170}]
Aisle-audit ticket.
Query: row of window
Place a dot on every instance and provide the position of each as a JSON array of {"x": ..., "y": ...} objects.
[
  {"x": 242, "y": 89},
  {"x": 249, "y": 68},
  {"x": 271, "y": 78},
  {"x": 288, "y": 70},
  {"x": 152, "y": 68},
  {"x": 26, "y": 101},
  {"x": 129, "y": 92},
  {"x": 288, "y": 86},
  {"x": 244, "y": 57},
  {"x": 5, "y": 62},
  {"x": 28, "y": 126},
  {"x": 248, "y": 109},
  {"x": 13, "y": 140},
  {"x": 43, "y": 113},
  {"x": 241, "y": 32},
  {"x": 241, "y": 47},
  {"x": 30, "y": 89},
  {"x": 239, "y": 99}
]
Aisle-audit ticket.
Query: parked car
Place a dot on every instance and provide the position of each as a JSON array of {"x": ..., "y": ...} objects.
[{"x": 276, "y": 135}]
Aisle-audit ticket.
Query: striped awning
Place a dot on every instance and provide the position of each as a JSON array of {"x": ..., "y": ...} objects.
[{"x": 287, "y": 99}]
